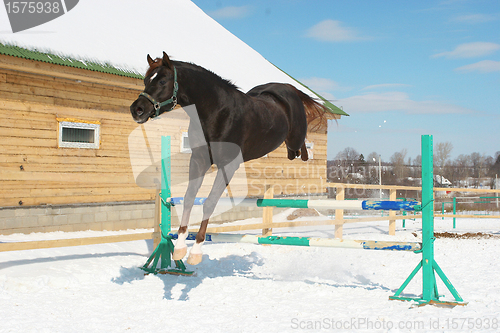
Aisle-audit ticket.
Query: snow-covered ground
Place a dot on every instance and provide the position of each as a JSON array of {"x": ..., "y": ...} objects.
[{"x": 250, "y": 288}]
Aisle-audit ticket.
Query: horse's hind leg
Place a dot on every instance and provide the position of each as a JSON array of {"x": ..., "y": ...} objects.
[
  {"x": 198, "y": 166},
  {"x": 304, "y": 154},
  {"x": 297, "y": 147},
  {"x": 295, "y": 142}
]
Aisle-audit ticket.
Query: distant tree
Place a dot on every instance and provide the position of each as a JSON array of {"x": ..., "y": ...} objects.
[
  {"x": 373, "y": 158},
  {"x": 442, "y": 153},
  {"x": 398, "y": 163},
  {"x": 495, "y": 168},
  {"x": 373, "y": 177},
  {"x": 477, "y": 161},
  {"x": 489, "y": 161},
  {"x": 462, "y": 166},
  {"x": 345, "y": 163},
  {"x": 348, "y": 159},
  {"x": 348, "y": 154},
  {"x": 418, "y": 160}
]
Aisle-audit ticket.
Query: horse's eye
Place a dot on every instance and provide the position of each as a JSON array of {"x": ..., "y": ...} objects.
[{"x": 163, "y": 82}]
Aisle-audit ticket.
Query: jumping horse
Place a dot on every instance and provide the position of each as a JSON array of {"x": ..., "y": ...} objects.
[{"x": 256, "y": 122}]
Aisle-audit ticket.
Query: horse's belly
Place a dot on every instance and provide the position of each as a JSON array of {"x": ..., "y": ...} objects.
[{"x": 265, "y": 139}]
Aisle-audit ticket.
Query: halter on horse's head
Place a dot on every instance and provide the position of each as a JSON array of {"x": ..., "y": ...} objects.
[{"x": 160, "y": 82}]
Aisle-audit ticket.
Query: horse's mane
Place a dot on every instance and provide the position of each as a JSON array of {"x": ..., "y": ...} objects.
[
  {"x": 316, "y": 112},
  {"x": 158, "y": 62}
]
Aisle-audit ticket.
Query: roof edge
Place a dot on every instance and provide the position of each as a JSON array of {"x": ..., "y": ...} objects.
[{"x": 63, "y": 60}]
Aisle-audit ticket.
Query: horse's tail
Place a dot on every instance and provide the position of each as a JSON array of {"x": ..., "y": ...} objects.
[{"x": 316, "y": 112}]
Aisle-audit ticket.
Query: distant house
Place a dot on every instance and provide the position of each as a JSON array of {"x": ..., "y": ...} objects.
[
  {"x": 64, "y": 155},
  {"x": 441, "y": 181}
]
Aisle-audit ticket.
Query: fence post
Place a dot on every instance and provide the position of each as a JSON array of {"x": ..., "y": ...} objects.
[
  {"x": 392, "y": 214},
  {"x": 267, "y": 212},
  {"x": 339, "y": 213},
  {"x": 157, "y": 219},
  {"x": 454, "y": 212}
]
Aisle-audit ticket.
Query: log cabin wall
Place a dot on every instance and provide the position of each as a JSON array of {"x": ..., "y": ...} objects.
[{"x": 45, "y": 187}]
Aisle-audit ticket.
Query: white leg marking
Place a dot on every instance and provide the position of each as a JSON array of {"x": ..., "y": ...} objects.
[
  {"x": 181, "y": 241},
  {"x": 180, "y": 248},
  {"x": 195, "y": 256},
  {"x": 196, "y": 249}
]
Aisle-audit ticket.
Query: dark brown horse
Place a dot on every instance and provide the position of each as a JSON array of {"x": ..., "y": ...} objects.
[{"x": 227, "y": 127}]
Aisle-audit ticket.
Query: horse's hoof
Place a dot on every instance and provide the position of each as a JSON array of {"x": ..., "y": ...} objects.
[
  {"x": 194, "y": 258},
  {"x": 179, "y": 253}
]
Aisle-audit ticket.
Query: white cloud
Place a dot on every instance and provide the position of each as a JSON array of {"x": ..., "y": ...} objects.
[
  {"x": 396, "y": 101},
  {"x": 485, "y": 66},
  {"x": 231, "y": 12},
  {"x": 385, "y": 85},
  {"x": 474, "y": 18},
  {"x": 320, "y": 84},
  {"x": 470, "y": 50},
  {"x": 332, "y": 31}
]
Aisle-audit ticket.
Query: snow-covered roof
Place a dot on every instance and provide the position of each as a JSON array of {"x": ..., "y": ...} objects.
[{"x": 123, "y": 32}]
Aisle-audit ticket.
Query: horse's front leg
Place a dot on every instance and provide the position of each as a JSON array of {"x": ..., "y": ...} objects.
[
  {"x": 198, "y": 166},
  {"x": 222, "y": 179}
]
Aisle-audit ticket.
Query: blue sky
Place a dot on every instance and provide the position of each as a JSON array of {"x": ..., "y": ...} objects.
[{"x": 399, "y": 68}]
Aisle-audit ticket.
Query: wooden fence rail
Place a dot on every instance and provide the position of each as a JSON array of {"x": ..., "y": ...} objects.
[{"x": 267, "y": 224}]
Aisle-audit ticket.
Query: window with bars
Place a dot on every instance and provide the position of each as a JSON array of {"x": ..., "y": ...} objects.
[
  {"x": 185, "y": 147},
  {"x": 79, "y": 135}
]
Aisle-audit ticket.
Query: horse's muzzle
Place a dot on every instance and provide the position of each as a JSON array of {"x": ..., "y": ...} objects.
[{"x": 139, "y": 112}]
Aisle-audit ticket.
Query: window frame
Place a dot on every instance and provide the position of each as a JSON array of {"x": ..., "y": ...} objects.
[
  {"x": 79, "y": 124},
  {"x": 184, "y": 136}
]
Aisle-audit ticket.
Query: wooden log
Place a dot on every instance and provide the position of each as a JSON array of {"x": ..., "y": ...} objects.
[
  {"x": 410, "y": 188},
  {"x": 46, "y": 244},
  {"x": 72, "y": 177},
  {"x": 392, "y": 214},
  {"x": 339, "y": 214},
  {"x": 267, "y": 213},
  {"x": 294, "y": 224},
  {"x": 62, "y": 84},
  {"x": 37, "y": 67},
  {"x": 470, "y": 216},
  {"x": 374, "y": 187},
  {"x": 31, "y": 201}
]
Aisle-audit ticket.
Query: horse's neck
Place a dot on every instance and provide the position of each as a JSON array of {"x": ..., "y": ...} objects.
[{"x": 204, "y": 89}]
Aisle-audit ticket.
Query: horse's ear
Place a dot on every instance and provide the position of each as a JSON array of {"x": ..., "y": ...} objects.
[
  {"x": 166, "y": 61},
  {"x": 150, "y": 60}
]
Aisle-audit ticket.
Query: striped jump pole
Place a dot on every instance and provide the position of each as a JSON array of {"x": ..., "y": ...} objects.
[
  {"x": 309, "y": 241},
  {"x": 317, "y": 204}
]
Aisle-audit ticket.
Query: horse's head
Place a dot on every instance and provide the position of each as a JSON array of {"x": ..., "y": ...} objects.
[{"x": 160, "y": 92}]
